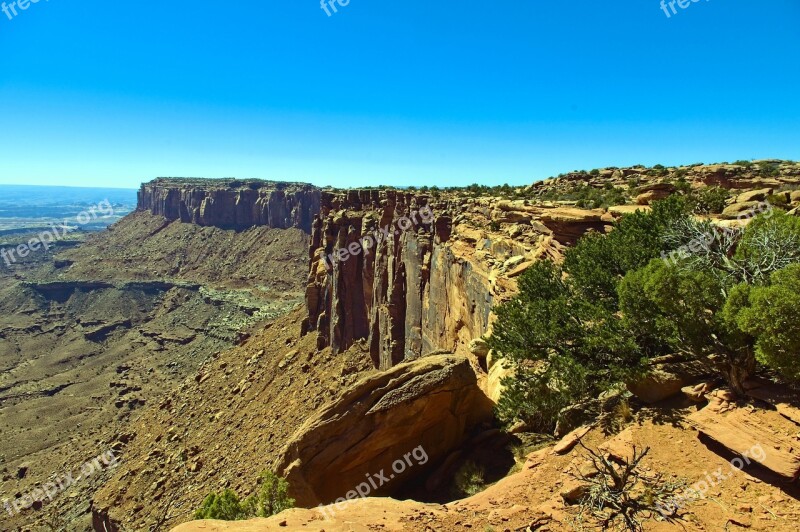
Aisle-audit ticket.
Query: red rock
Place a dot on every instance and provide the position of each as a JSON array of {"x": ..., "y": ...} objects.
[
  {"x": 572, "y": 439},
  {"x": 741, "y": 430}
]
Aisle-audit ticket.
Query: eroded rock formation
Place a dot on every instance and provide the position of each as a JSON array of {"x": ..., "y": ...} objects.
[
  {"x": 232, "y": 204},
  {"x": 422, "y": 409},
  {"x": 414, "y": 275}
]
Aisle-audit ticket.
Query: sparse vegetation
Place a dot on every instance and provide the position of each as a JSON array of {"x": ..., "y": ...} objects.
[
  {"x": 622, "y": 413},
  {"x": 270, "y": 498},
  {"x": 620, "y": 495},
  {"x": 587, "y": 196},
  {"x": 469, "y": 480},
  {"x": 768, "y": 169}
]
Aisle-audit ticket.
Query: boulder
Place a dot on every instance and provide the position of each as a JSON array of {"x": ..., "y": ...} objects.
[
  {"x": 519, "y": 269},
  {"x": 497, "y": 372},
  {"x": 754, "y": 195},
  {"x": 620, "y": 210},
  {"x": 571, "y": 440},
  {"x": 512, "y": 217},
  {"x": 425, "y": 406},
  {"x": 697, "y": 392},
  {"x": 620, "y": 447},
  {"x": 654, "y": 192},
  {"x": 784, "y": 400},
  {"x": 513, "y": 261},
  {"x": 732, "y": 211},
  {"x": 574, "y": 491},
  {"x": 568, "y": 224},
  {"x": 666, "y": 380}
]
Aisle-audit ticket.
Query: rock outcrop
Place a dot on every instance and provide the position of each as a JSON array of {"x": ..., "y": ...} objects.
[
  {"x": 414, "y": 414},
  {"x": 667, "y": 378},
  {"x": 415, "y": 276},
  {"x": 760, "y": 436},
  {"x": 232, "y": 204},
  {"x": 402, "y": 288}
]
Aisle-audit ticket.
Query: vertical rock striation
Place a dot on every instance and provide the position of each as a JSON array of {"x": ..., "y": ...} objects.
[
  {"x": 232, "y": 204},
  {"x": 404, "y": 291}
]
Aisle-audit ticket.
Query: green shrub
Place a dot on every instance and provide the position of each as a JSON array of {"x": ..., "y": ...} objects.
[
  {"x": 224, "y": 506},
  {"x": 770, "y": 243},
  {"x": 767, "y": 169},
  {"x": 564, "y": 348},
  {"x": 563, "y": 333},
  {"x": 271, "y": 498},
  {"x": 778, "y": 200},
  {"x": 577, "y": 330},
  {"x": 669, "y": 308},
  {"x": 598, "y": 262},
  {"x": 658, "y": 170},
  {"x": 770, "y": 314},
  {"x": 683, "y": 186},
  {"x": 469, "y": 480},
  {"x": 710, "y": 200}
]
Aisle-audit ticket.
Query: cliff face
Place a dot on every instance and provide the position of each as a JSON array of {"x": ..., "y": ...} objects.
[
  {"x": 408, "y": 274},
  {"x": 230, "y": 204},
  {"x": 399, "y": 271}
]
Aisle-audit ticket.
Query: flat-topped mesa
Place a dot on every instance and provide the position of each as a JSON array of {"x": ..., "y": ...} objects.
[{"x": 232, "y": 203}]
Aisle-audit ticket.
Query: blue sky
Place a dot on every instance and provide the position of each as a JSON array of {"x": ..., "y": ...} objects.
[{"x": 99, "y": 93}]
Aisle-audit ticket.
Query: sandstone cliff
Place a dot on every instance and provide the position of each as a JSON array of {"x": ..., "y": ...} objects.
[
  {"x": 414, "y": 275},
  {"x": 232, "y": 204}
]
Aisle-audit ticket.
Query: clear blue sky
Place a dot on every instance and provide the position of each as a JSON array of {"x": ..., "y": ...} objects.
[{"x": 113, "y": 93}]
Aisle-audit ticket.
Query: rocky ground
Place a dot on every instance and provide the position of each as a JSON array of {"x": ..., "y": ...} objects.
[
  {"x": 199, "y": 438},
  {"x": 538, "y": 497}
]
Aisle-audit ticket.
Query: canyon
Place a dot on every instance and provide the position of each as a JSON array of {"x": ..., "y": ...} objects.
[{"x": 331, "y": 369}]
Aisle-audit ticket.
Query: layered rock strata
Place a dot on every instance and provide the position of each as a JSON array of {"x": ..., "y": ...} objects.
[
  {"x": 232, "y": 204},
  {"x": 413, "y": 275}
]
